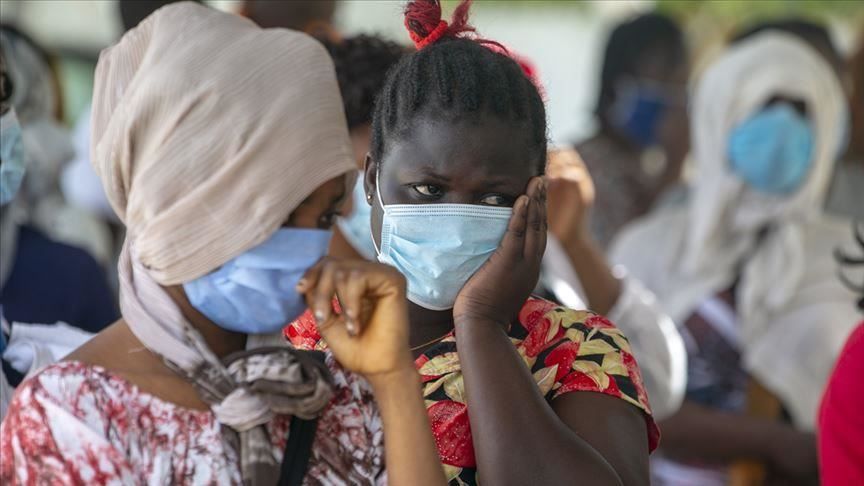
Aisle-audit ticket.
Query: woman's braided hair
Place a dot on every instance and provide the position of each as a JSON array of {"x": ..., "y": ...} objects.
[{"x": 455, "y": 74}]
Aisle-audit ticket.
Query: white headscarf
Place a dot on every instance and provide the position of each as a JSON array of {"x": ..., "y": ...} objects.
[
  {"x": 787, "y": 284},
  {"x": 207, "y": 133},
  {"x": 725, "y": 214}
]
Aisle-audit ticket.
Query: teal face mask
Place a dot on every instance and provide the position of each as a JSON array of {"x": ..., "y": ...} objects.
[
  {"x": 12, "y": 163},
  {"x": 772, "y": 150},
  {"x": 438, "y": 247},
  {"x": 356, "y": 227}
]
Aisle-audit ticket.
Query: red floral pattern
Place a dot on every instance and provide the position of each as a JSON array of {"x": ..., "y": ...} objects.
[
  {"x": 566, "y": 350},
  {"x": 80, "y": 424}
]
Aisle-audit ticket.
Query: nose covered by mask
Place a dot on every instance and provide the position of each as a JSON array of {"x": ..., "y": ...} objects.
[
  {"x": 255, "y": 292},
  {"x": 438, "y": 247},
  {"x": 772, "y": 150},
  {"x": 12, "y": 161}
]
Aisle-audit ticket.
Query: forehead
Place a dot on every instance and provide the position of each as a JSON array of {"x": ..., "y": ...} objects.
[{"x": 484, "y": 146}]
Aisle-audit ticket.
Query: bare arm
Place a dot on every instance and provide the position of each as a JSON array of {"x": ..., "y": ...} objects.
[
  {"x": 715, "y": 436},
  {"x": 410, "y": 451},
  {"x": 506, "y": 409}
]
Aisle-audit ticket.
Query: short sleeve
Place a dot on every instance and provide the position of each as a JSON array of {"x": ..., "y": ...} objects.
[
  {"x": 586, "y": 353},
  {"x": 46, "y": 439}
]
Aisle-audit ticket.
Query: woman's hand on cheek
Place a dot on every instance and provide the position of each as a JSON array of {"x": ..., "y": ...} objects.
[
  {"x": 499, "y": 289},
  {"x": 370, "y": 335}
]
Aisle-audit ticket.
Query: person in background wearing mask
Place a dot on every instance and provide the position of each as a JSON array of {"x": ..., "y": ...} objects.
[
  {"x": 361, "y": 65},
  {"x": 745, "y": 264},
  {"x": 228, "y": 191},
  {"x": 642, "y": 141},
  {"x": 844, "y": 196},
  {"x": 42, "y": 281},
  {"x": 841, "y": 423}
]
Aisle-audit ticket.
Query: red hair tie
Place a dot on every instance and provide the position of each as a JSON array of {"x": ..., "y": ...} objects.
[{"x": 431, "y": 37}]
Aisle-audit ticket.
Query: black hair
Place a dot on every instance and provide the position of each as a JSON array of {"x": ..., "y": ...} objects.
[
  {"x": 853, "y": 261},
  {"x": 132, "y": 12},
  {"x": 816, "y": 35},
  {"x": 629, "y": 43},
  {"x": 454, "y": 76},
  {"x": 361, "y": 65}
]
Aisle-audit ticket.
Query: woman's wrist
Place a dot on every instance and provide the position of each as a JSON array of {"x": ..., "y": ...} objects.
[{"x": 397, "y": 379}]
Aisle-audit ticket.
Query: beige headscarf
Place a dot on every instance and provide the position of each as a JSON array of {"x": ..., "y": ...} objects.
[{"x": 207, "y": 133}]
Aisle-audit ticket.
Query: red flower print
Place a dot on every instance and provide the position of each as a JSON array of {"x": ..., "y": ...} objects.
[
  {"x": 599, "y": 322},
  {"x": 452, "y": 433},
  {"x": 563, "y": 356}
]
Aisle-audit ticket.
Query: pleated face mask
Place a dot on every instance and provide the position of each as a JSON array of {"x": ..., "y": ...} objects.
[{"x": 438, "y": 247}]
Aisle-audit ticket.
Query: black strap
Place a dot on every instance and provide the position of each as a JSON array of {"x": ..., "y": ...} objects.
[{"x": 298, "y": 450}]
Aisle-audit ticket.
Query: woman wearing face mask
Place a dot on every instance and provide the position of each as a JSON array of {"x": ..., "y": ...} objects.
[
  {"x": 746, "y": 263},
  {"x": 227, "y": 184},
  {"x": 642, "y": 138},
  {"x": 518, "y": 389}
]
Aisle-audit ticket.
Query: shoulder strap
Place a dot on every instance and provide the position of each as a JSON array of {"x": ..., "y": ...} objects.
[{"x": 298, "y": 450}]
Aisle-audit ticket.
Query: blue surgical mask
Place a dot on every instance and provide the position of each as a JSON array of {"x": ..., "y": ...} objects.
[
  {"x": 637, "y": 111},
  {"x": 12, "y": 162},
  {"x": 255, "y": 292},
  {"x": 438, "y": 247},
  {"x": 356, "y": 227},
  {"x": 772, "y": 151}
]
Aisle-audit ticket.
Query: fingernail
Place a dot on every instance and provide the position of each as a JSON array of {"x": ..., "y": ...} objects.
[
  {"x": 319, "y": 315},
  {"x": 351, "y": 326},
  {"x": 301, "y": 285}
]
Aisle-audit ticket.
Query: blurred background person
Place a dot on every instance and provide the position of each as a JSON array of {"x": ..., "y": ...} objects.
[
  {"x": 576, "y": 273},
  {"x": 46, "y": 273},
  {"x": 642, "y": 140},
  {"x": 26, "y": 347},
  {"x": 844, "y": 196},
  {"x": 841, "y": 423},
  {"x": 745, "y": 263}
]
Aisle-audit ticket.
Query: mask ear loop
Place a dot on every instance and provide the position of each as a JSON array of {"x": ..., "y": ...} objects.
[{"x": 381, "y": 202}]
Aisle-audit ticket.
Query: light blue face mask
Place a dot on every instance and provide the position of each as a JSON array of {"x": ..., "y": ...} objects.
[
  {"x": 255, "y": 292},
  {"x": 356, "y": 227},
  {"x": 772, "y": 150},
  {"x": 438, "y": 247},
  {"x": 12, "y": 162}
]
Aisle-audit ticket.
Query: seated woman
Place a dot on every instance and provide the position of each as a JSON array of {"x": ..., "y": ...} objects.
[
  {"x": 519, "y": 390},
  {"x": 746, "y": 264},
  {"x": 224, "y": 150}
]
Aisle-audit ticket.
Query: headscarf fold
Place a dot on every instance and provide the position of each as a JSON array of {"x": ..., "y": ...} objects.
[{"x": 207, "y": 133}]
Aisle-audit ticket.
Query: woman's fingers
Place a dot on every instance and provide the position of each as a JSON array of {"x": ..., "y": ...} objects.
[
  {"x": 535, "y": 235},
  {"x": 351, "y": 286},
  {"x": 322, "y": 293},
  {"x": 513, "y": 243}
]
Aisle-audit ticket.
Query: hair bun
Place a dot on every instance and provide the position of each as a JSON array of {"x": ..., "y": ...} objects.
[{"x": 425, "y": 25}]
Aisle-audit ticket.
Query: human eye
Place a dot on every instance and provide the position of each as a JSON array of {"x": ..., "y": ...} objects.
[
  {"x": 428, "y": 191},
  {"x": 497, "y": 200}
]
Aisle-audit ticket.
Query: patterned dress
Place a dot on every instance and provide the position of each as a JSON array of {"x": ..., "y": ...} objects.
[
  {"x": 566, "y": 350},
  {"x": 79, "y": 424}
]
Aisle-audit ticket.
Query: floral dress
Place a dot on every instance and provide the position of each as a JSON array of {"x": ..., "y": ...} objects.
[
  {"x": 566, "y": 350},
  {"x": 75, "y": 423}
]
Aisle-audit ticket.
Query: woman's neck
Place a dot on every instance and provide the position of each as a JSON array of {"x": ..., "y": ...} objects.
[{"x": 427, "y": 325}]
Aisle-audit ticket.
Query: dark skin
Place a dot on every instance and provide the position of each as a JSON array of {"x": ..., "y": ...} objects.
[
  {"x": 113, "y": 347},
  {"x": 597, "y": 438}
]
